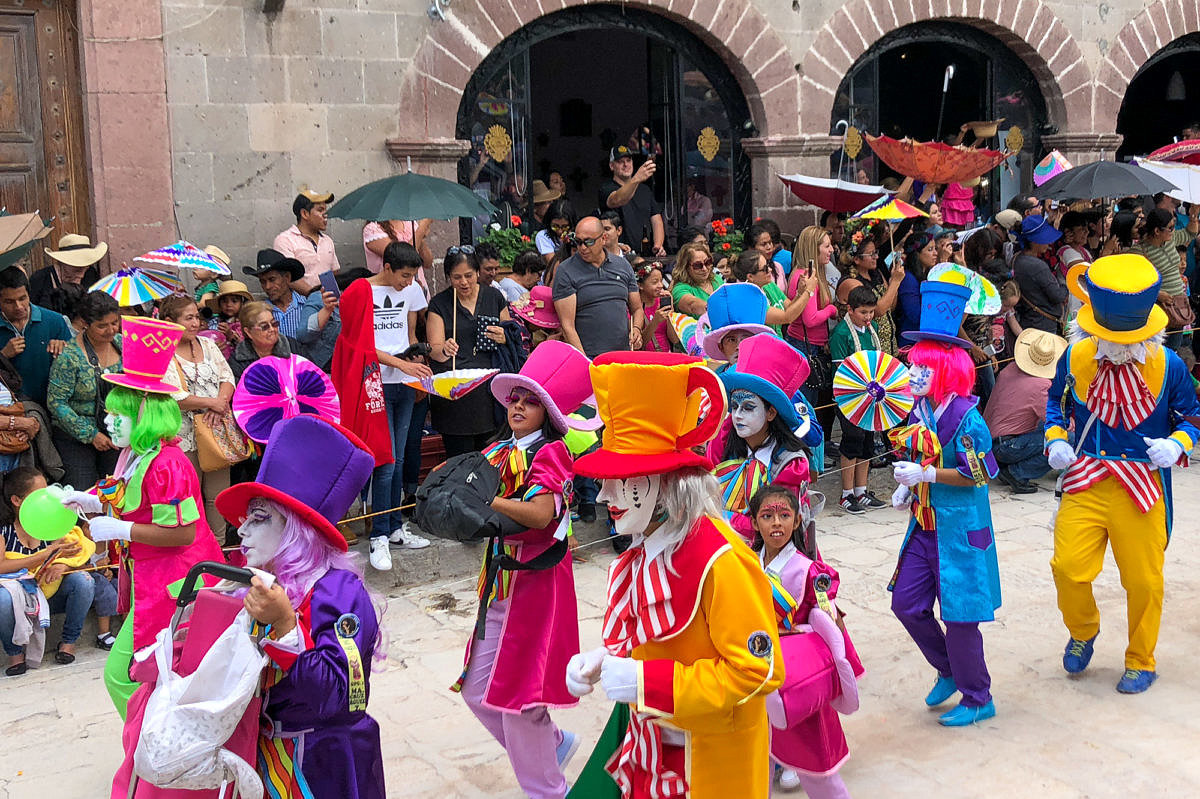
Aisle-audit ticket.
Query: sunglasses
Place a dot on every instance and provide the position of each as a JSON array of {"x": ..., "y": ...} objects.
[
  {"x": 263, "y": 327},
  {"x": 465, "y": 249},
  {"x": 528, "y": 397},
  {"x": 707, "y": 262},
  {"x": 560, "y": 228},
  {"x": 585, "y": 242}
]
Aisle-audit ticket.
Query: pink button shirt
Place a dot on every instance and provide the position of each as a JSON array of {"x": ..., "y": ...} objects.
[{"x": 317, "y": 257}]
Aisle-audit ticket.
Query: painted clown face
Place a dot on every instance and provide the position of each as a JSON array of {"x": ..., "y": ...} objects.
[
  {"x": 748, "y": 412},
  {"x": 920, "y": 379},
  {"x": 120, "y": 429},
  {"x": 261, "y": 533},
  {"x": 631, "y": 502}
]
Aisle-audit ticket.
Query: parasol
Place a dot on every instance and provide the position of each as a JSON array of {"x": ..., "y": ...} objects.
[
  {"x": 411, "y": 196},
  {"x": 871, "y": 389},
  {"x": 1187, "y": 151},
  {"x": 690, "y": 332},
  {"x": 18, "y": 232},
  {"x": 453, "y": 384},
  {"x": 1104, "y": 179},
  {"x": 273, "y": 389},
  {"x": 1055, "y": 163},
  {"x": 132, "y": 285},
  {"x": 984, "y": 298},
  {"x": 891, "y": 210},
  {"x": 935, "y": 162},
  {"x": 833, "y": 194},
  {"x": 182, "y": 255},
  {"x": 1184, "y": 175}
]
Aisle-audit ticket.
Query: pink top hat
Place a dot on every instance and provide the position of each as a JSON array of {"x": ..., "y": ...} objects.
[
  {"x": 147, "y": 348},
  {"x": 537, "y": 308},
  {"x": 558, "y": 374}
]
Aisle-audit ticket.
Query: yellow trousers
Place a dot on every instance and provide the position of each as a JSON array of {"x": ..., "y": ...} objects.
[{"x": 1086, "y": 523}]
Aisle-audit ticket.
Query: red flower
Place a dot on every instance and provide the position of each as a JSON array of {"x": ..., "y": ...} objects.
[
  {"x": 728, "y": 221},
  {"x": 725, "y": 246},
  {"x": 516, "y": 220},
  {"x": 523, "y": 238}
]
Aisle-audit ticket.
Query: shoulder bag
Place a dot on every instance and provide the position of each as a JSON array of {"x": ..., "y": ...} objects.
[{"x": 219, "y": 446}]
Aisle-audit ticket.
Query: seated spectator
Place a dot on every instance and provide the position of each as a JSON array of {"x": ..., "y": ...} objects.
[
  {"x": 693, "y": 280},
  {"x": 262, "y": 338},
  {"x": 77, "y": 392},
  {"x": 559, "y": 221},
  {"x": 27, "y": 561},
  {"x": 63, "y": 282},
  {"x": 24, "y": 428},
  {"x": 527, "y": 270},
  {"x": 276, "y": 273},
  {"x": 225, "y": 307},
  {"x": 1016, "y": 414},
  {"x": 536, "y": 311},
  {"x": 30, "y": 335}
]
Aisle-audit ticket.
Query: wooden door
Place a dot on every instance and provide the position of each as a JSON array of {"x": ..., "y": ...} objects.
[{"x": 42, "y": 156}]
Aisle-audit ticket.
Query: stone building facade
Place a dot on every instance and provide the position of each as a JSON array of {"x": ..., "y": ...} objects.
[{"x": 201, "y": 118}]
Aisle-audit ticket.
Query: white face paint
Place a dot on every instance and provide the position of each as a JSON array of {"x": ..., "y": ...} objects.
[
  {"x": 631, "y": 502},
  {"x": 920, "y": 379},
  {"x": 748, "y": 412},
  {"x": 261, "y": 533},
  {"x": 120, "y": 429}
]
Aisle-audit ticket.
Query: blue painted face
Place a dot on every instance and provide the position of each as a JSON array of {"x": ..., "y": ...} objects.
[{"x": 920, "y": 379}]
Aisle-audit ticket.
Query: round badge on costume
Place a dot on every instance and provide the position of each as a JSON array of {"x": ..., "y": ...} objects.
[
  {"x": 347, "y": 625},
  {"x": 759, "y": 645}
]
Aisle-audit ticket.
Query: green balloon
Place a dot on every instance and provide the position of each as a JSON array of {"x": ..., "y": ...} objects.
[{"x": 44, "y": 516}]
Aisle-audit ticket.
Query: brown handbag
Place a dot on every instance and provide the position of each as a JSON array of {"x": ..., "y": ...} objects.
[
  {"x": 1179, "y": 312},
  {"x": 14, "y": 441}
]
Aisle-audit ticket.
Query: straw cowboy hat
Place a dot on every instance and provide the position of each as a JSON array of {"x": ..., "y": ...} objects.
[
  {"x": 1037, "y": 352},
  {"x": 76, "y": 250},
  {"x": 229, "y": 288},
  {"x": 543, "y": 193}
]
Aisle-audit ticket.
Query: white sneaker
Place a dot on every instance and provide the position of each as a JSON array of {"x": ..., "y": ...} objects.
[
  {"x": 789, "y": 780},
  {"x": 407, "y": 539},
  {"x": 381, "y": 556}
]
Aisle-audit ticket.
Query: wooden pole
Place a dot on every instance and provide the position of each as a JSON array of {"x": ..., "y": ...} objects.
[{"x": 454, "y": 333}]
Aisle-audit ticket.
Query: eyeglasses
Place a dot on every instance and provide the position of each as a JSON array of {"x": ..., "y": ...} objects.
[
  {"x": 263, "y": 327},
  {"x": 465, "y": 249},
  {"x": 585, "y": 242},
  {"x": 528, "y": 397},
  {"x": 871, "y": 254},
  {"x": 707, "y": 262}
]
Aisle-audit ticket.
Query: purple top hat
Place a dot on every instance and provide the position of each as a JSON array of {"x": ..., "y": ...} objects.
[{"x": 942, "y": 307}]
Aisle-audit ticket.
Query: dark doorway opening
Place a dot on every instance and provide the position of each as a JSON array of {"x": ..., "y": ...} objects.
[{"x": 1162, "y": 98}]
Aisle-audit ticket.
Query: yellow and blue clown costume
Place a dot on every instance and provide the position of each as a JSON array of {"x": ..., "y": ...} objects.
[{"x": 1130, "y": 399}]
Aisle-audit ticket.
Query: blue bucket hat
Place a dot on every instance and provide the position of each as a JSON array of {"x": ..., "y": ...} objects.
[{"x": 1037, "y": 230}]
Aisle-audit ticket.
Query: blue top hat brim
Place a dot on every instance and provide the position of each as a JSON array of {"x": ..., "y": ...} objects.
[
  {"x": 770, "y": 393},
  {"x": 919, "y": 335},
  {"x": 712, "y": 339}
]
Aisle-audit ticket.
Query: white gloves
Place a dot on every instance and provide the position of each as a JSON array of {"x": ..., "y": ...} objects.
[
  {"x": 1163, "y": 452},
  {"x": 583, "y": 671},
  {"x": 619, "y": 678},
  {"x": 901, "y": 497},
  {"x": 907, "y": 473},
  {"x": 81, "y": 500},
  {"x": 106, "y": 528},
  {"x": 1060, "y": 454}
]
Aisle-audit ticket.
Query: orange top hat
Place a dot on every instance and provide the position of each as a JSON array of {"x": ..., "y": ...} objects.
[
  {"x": 656, "y": 407},
  {"x": 148, "y": 345}
]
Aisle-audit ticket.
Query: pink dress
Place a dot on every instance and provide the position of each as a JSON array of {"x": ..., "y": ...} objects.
[
  {"x": 958, "y": 205},
  {"x": 659, "y": 341}
]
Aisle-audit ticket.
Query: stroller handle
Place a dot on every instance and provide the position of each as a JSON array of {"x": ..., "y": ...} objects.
[{"x": 187, "y": 594}]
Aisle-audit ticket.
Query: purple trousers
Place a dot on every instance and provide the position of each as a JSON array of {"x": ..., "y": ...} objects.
[{"x": 958, "y": 650}]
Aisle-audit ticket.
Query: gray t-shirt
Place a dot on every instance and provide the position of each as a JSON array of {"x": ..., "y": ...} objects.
[{"x": 601, "y": 301}]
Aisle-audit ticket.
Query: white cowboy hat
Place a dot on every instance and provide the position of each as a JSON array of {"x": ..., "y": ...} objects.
[
  {"x": 1036, "y": 352},
  {"x": 76, "y": 250}
]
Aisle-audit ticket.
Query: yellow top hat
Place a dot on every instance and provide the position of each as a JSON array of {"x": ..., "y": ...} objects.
[{"x": 1119, "y": 293}]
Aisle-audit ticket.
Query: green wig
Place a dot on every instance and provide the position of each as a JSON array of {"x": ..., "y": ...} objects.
[{"x": 155, "y": 417}]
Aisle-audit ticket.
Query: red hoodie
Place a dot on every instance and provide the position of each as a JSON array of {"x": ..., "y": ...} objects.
[{"x": 356, "y": 375}]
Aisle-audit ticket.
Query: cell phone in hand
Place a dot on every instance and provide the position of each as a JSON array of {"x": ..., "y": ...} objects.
[{"x": 329, "y": 283}]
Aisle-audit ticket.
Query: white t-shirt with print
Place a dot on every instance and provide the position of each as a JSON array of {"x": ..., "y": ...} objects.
[{"x": 392, "y": 308}]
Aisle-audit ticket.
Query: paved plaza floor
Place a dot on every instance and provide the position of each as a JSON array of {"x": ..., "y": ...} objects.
[{"x": 1054, "y": 736}]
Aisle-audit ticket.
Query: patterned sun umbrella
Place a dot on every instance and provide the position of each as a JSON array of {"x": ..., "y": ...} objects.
[
  {"x": 18, "y": 232},
  {"x": 1187, "y": 151},
  {"x": 132, "y": 285},
  {"x": 182, "y": 255},
  {"x": 273, "y": 389},
  {"x": 453, "y": 384},
  {"x": 889, "y": 209},
  {"x": 1053, "y": 164},
  {"x": 933, "y": 161},
  {"x": 984, "y": 297},
  {"x": 871, "y": 389}
]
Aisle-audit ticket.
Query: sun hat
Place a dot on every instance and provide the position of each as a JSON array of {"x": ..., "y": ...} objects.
[
  {"x": 1119, "y": 294},
  {"x": 1008, "y": 219},
  {"x": 537, "y": 308},
  {"x": 734, "y": 307},
  {"x": 319, "y": 490},
  {"x": 76, "y": 250},
  {"x": 656, "y": 407},
  {"x": 273, "y": 260},
  {"x": 1036, "y": 352},
  {"x": 942, "y": 307},
  {"x": 228, "y": 288},
  {"x": 1035, "y": 229},
  {"x": 544, "y": 194},
  {"x": 147, "y": 349},
  {"x": 558, "y": 374},
  {"x": 218, "y": 253},
  {"x": 774, "y": 370}
]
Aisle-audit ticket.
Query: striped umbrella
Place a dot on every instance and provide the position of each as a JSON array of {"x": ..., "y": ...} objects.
[
  {"x": 132, "y": 285},
  {"x": 871, "y": 389},
  {"x": 182, "y": 255}
]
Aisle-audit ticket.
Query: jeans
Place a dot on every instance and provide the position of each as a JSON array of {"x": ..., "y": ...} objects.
[
  {"x": 104, "y": 600},
  {"x": 412, "y": 451},
  {"x": 74, "y": 597},
  {"x": 1022, "y": 454},
  {"x": 985, "y": 381},
  {"x": 387, "y": 481}
]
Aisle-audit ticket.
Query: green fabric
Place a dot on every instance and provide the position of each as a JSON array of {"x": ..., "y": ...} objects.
[
  {"x": 71, "y": 392},
  {"x": 579, "y": 441},
  {"x": 1166, "y": 262},
  {"x": 776, "y": 299},
  {"x": 681, "y": 290},
  {"x": 594, "y": 782},
  {"x": 133, "y": 484},
  {"x": 177, "y": 514},
  {"x": 841, "y": 343},
  {"x": 116, "y": 668}
]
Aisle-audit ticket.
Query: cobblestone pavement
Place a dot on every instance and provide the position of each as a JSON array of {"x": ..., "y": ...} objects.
[{"x": 1054, "y": 736}]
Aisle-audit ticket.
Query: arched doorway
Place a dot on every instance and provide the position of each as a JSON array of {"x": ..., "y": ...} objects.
[
  {"x": 564, "y": 89},
  {"x": 895, "y": 88},
  {"x": 1162, "y": 99}
]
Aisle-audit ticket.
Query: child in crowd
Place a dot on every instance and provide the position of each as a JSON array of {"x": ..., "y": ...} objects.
[
  {"x": 536, "y": 310},
  {"x": 856, "y": 332},
  {"x": 223, "y": 325},
  {"x": 1005, "y": 327},
  {"x": 527, "y": 270},
  {"x": 659, "y": 335},
  {"x": 206, "y": 279}
]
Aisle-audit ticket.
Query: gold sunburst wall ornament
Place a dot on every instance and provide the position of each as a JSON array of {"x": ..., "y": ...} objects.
[
  {"x": 853, "y": 143},
  {"x": 1015, "y": 140},
  {"x": 708, "y": 143},
  {"x": 497, "y": 143}
]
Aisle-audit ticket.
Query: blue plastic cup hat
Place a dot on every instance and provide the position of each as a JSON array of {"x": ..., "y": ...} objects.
[
  {"x": 1037, "y": 230},
  {"x": 734, "y": 307},
  {"x": 942, "y": 307}
]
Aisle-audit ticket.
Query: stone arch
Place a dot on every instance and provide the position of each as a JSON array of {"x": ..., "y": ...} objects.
[
  {"x": 1159, "y": 24},
  {"x": 734, "y": 29},
  {"x": 1029, "y": 28}
]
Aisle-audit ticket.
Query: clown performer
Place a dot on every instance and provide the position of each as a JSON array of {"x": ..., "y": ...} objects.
[
  {"x": 317, "y": 739},
  {"x": 690, "y": 641},
  {"x": 153, "y": 506},
  {"x": 1132, "y": 403},
  {"x": 758, "y": 443},
  {"x": 949, "y": 553},
  {"x": 515, "y": 662},
  {"x": 821, "y": 666}
]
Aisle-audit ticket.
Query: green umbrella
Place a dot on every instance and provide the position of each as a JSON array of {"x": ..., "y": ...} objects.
[{"x": 411, "y": 196}]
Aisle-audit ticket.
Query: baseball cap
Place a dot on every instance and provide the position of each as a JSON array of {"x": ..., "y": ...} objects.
[
  {"x": 620, "y": 151},
  {"x": 1007, "y": 219}
]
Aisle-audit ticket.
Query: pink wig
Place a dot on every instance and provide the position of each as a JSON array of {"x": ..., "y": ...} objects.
[{"x": 953, "y": 369}]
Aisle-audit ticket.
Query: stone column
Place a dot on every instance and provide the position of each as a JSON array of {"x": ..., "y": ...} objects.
[
  {"x": 805, "y": 154},
  {"x": 1084, "y": 147}
]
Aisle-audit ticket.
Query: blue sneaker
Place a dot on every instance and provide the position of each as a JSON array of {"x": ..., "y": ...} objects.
[
  {"x": 566, "y": 749},
  {"x": 1135, "y": 681},
  {"x": 963, "y": 716},
  {"x": 942, "y": 690},
  {"x": 1078, "y": 654}
]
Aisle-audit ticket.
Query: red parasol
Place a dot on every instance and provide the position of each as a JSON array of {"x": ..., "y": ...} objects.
[
  {"x": 1186, "y": 151},
  {"x": 832, "y": 194},
  {"x": 935, "y": 162}
]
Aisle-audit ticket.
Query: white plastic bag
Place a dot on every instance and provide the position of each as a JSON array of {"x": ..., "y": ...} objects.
[{"x": 188, "y": 719}]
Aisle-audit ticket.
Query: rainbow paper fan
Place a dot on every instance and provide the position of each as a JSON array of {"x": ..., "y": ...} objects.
[
  {"x": 453, "y": 384},
  {"x": 871, "y": 389},
  {"x": 273, "y": 389},
  {"x": 689, "y": 331}
]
